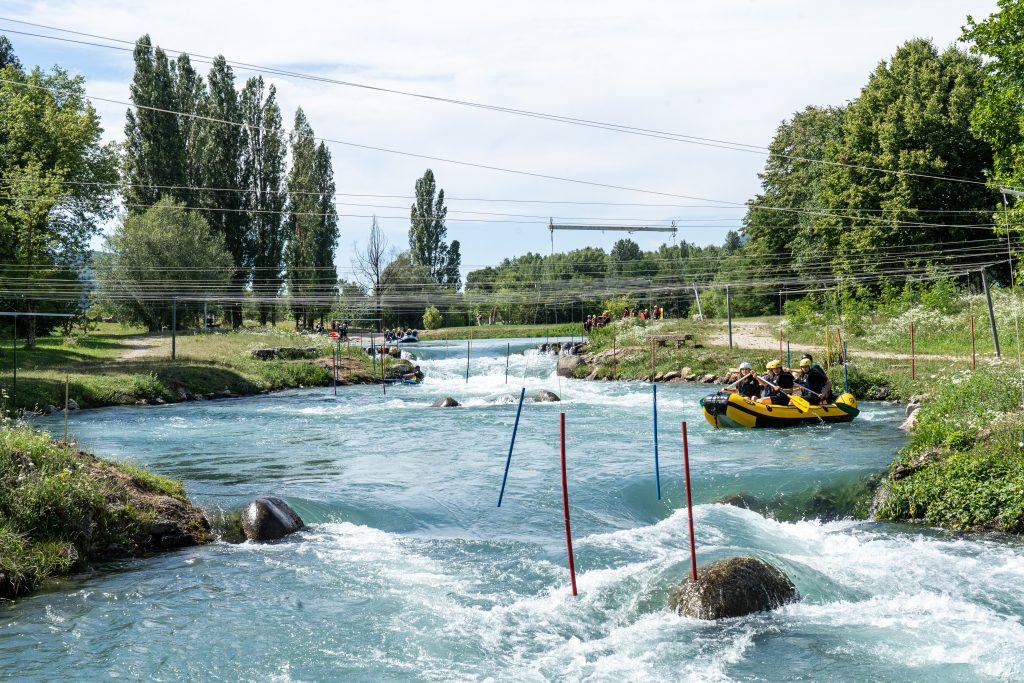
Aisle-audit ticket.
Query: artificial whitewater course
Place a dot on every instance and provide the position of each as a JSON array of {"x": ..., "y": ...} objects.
[{"x": 408, "y": 569}]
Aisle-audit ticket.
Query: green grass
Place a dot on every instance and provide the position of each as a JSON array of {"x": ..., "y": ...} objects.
[
  {"x": 98, "y": 374},
  {"x": 964, "y": 466},
  {"x": 57, "y": 510},
  {"x": 503, "y": 331}
]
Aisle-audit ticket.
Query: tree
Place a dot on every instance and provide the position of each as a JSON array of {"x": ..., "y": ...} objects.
[
  {"x": 165, "y": 246},
  {"x": 998, "y": 114},
  {"x": 625, "y": 253},
  {"x": 263, "y": 177},
  {"x": 221, "y": 170},
  {"x": 405, "y": 281},
  {"x": 369, "y": 264},
  {"x": 311, "y": 225},
  {"x": 432, "y": 318},
  {"x": 427, "y": 233},
  {"x": 155, "y": 156},
  {"x": 62, "y": 181},
  {"x": 912, "y": 119}
]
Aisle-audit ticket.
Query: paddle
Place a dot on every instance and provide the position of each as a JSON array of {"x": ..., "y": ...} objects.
[{"x": 799, "y": 402}]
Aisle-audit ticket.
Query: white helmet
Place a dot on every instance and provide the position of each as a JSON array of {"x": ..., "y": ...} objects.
[{"x": 745, "y": 366}]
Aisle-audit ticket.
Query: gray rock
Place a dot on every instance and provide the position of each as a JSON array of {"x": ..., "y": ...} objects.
[
  {"x": 567, "y": 365},
  {"x": 732, "y": 588},
  {"x": 742, "y": 499},
  {"x": 708, "y": 379},
  {"x": 49, "y": 410},
  {"x": 264, "y": 354},
  {"x": 269, "y": 518},
  {"x": 545, "y": 396},
  {"x": 446, "y": 402},
  {"x": 72, "y": 404},
  {"x": 670, "y": 376}
]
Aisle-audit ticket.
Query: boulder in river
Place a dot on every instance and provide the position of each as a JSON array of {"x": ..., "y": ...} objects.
[
  {"x": 269, "y": 518},
  {"x": 742, "y": 499},
  {"x": 446, "y": 402},
  {"x": 545, "y": 396},
  {"x": 732, "y": 588},
  {"x": 567, "y": 365}
]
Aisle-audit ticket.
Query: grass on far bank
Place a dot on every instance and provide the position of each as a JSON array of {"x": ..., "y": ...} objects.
[
  {"x": 118, "y": 366},
  {"x": 56, "y": 513},
  {"x": 503, "y": 331}
]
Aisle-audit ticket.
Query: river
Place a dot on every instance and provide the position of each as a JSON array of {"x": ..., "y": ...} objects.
[{"x": 408, "y": 570}]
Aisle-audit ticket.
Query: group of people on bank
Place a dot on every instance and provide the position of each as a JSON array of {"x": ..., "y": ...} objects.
[
  {"x": 400, "y": 333},
  {"x": 653, "y": 313},
  {"x": 595, "y": 321},
  {"x": 778, "y": 383}
]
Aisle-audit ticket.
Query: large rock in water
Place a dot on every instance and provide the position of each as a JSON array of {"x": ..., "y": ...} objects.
[
  {"x": 269, "y": 518},
  {"x": 732, "y": 588},
  {"x": 446, "y": 402},
  {"x": 567, "y": 365},
  {"x": 545, "y": 396}
]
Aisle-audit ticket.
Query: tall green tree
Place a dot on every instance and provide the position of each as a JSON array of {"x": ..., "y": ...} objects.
[
  {"x": 427, "y": 234},
  {"x": 998, "y": 115},
  {"x": 221, "y": 147},
  {"x": 311, "y": 225},
  {"x": 167, "y": 245},
  {"x": 912, "y": 119},
  {"x": 263, "y": 177},
  {"x": 60, "y": 184},
  {"x": 155, "y": 153}
]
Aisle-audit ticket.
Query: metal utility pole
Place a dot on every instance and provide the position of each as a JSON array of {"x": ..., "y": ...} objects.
[
  {"x": 728, "y": 312},
  {"x": 991, "y": 313}
]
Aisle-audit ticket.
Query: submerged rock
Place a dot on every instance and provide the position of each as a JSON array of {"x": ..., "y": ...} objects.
[
  {"x": 742, "y": 499},
  {"x": 545, "y": 396},
  {"x": 446, "y": 402},
  {"x": 732, "y": 588},
  {"x": 268, "y": 518}
]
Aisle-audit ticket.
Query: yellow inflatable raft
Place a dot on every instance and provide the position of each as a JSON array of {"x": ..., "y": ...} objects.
[{"x": 732, "y": 410}]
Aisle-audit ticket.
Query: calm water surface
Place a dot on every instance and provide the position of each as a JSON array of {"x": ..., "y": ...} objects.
[{"x": 408, "y": 570}]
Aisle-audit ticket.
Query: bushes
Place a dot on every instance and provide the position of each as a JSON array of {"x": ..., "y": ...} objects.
[{"x": 432, "y": 318}]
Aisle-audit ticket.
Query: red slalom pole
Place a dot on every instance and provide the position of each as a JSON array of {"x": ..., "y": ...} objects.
[
  {"x": 689, "y": 505},
  {"x": 565, "y": 512}
]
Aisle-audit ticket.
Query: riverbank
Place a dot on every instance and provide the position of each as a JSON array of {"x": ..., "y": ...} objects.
[
  {"x": 115, "y": 366},
  {"x": 61, "y": 508},
  {"x": 502, "y": 332}
]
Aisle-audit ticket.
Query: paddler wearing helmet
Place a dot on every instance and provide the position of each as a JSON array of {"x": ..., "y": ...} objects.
[
  {"x": 812, "y": 377},
  {"x": 747, "y": 385},
  {"x": 778, "y": 384}
]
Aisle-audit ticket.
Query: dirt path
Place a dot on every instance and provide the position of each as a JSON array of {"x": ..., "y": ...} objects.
[
  {"x": 139, "y": 347},
  {"x": 761, "y": 336}
]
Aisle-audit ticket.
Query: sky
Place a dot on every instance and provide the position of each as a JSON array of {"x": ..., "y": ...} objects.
[{"x": 729, "y": 70}]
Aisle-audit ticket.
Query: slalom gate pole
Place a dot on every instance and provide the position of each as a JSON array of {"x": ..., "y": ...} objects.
[
  {"x": 383, "y": 369},
  {"x": 65, "y": 408},
  {"x": 467, "y": 361},
  {"x": 846, "y": 372},
  {"x": 654, "y": 423},
  {"x": 565, "y": 511},
  {"x": 789, "y": 359},
  {"x": 373, "y": 358},
  {"x": 974, "y": 354},
  {"x": 689, "y": 505},
  {"x": 913, "y": 354},
  {"x": 511, "y": 445},
  {"x": 508, "y": 351},
  {"x": 654, "y": 362},
  {"x": 337, "y": 351}
]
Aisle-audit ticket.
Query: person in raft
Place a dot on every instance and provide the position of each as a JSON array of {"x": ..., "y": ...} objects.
[
  {"x": 747, "y": 385},
  {"x": 813, "y": 379},
  {"x": 778, "y": 384}
]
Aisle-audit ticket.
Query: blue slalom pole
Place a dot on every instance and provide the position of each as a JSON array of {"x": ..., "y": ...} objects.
[
  {"x": 657, "y": 470},
  {"x": 508, "y": 460}
]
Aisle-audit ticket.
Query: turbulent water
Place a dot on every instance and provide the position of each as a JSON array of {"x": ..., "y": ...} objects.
[{"x": 408, "y": 570}]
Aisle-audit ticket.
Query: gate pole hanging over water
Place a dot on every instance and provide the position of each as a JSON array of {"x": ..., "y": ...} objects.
[
  {"x": 511, "y": 445},
  {"x": 373, "y": 358},
  {"x": 654, "y": 422},
  {"x": 565, "y": 511},
  {"x": 689, "y": 505},
  {"x": 508, "y": 350},
  {"x": 467, "y": 361},
  {"x": 728, "y": 312}
]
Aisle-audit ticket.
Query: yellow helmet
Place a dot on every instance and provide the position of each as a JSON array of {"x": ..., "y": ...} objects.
[
  {"x": 805, "y": 362},
  {"x": 772, "y": 364}
]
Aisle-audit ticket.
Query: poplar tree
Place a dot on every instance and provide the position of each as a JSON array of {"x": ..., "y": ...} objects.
[
  {"x": 427, "y": 233},
  {"x": 263, "y": 176},
  {"x": 220, "y": 151},
  {"x": 311, "y": 224},
  {"x": 154, "y": 148}
]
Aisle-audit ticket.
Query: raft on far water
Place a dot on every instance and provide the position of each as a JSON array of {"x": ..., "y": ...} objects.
[{"x": 733, "y": 410}]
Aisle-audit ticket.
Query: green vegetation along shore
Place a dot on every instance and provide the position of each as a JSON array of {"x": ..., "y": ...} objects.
[
  {"x": 61, "y": 509},
  {"x": 113, "y": 365}
]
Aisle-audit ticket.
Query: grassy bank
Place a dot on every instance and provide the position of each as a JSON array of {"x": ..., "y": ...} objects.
[
  {"x": 61, "y": 509},
  {"x": 964, "y": 466},
  {"x": 116, "y": 366},
  {"x": 503, "y": 331}
]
